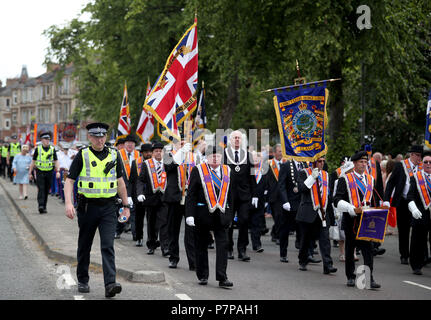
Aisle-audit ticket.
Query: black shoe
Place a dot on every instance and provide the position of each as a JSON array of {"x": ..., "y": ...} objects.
[
  {"x": 26, "y": 197},
  {"x": 134, "y": 238},
  {"x": 165, "y": 253},
  {"x": 139, "y": 243},
  {"x": 404, "y": 261},
  {"x": 243, "y": 257},
  {"x": 211, "y": 246},
  {"x": 303, "y": 267},
  {"x": 83, "y": 287},
  {"x": 277, "y": 242},
  {"x": 328, "y": 270},
  {"x": 374, "y": 285},
  {"x": 40, "y": 210},
  {"x": 225, "y": 283},
  {"x": 230, "y": 255},
  {"x": 297, "y": 245},
  {"x": 112, "y": 289},
  {"x": 203, "y": 282},
  {"x": 378, "y": 251},
  {"x": 150, "y": 251},
  {"x": 117, "y": 236},
  {"x": 173, "y": 264},
  {"x": 284, "y": 259},
  {"x": 417, "y": 272},
  {"x": 264, "y": 231},
  {"x": 312, "y": 260},
  {"x": 351, "y": 282},
  {"x": 274, "y": 239},
  {"x": 259, "y": 249},
  {"x": 335, "y": 244},
  {"x": 192, "y": 268}
]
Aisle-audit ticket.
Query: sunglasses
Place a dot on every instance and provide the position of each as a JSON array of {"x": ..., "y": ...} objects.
[{"x": 427, "y": 162}]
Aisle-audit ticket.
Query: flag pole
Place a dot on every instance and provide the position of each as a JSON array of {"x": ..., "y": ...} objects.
[{"x": 302, "y": 84}]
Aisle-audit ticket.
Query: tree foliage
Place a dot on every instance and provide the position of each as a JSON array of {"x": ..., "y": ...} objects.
[{"x": 250, "y": 45}]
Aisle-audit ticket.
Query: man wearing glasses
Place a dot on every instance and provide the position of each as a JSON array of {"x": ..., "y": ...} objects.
[{"x": 397, "y": 188}]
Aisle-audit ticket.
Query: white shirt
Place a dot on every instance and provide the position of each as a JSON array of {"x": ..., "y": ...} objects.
[
  {"x": 64, "y": 160},
  {"x": 131, "y": 156}
]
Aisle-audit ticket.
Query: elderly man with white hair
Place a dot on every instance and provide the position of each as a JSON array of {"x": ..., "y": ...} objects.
[{"x": 239, "y": 161}]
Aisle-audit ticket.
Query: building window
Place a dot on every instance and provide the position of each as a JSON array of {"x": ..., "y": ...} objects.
[
  {"x": 7, "y": 103},
  {"x": 66, "y": 111},
  {"x": 14, "y": 117},
  {"x": 30, "y": 94},
  {"x": 65, "y": 86},
  {"x": 24, "y": 117},
  {"x": 41, "y": 93},
  {"x": 7, "y": 124},
  {"x": 24, "y": 96},
  {"x": 15, "y": 97}
]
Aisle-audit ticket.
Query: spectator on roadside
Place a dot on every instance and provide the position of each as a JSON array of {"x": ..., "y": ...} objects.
[
  {"x": 399, "y": 157},
  {"x": 20, "y": 166},
  {"x": 378, "y": 157}
]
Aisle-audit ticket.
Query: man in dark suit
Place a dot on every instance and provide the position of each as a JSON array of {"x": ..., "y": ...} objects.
[
  {"x": 209, "y": 207},
  {"x": 176, "y": 166},
  {"x": 239, "y": 161},
  {"x": 137, "y": 165},
  {"x": 350, "y": 203},
  {"x": 260, "y": 186},
  {"x": 419, "y": 202},
  {"x": 150, "y": 187},
  {"x": 313, "y": 218},
  {"x": 396, "y": 192}
]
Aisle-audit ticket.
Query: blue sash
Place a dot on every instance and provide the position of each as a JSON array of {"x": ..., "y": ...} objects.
[
  {"x": 361, "y": 185},
  {"x": 428, "y": 184},
  {"x": 216, "y": 180}
]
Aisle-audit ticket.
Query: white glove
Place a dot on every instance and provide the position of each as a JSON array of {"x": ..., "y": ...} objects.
[
  {"x": 344, "y": 206},
  {"x": 187, "y": 147},
  {"x": 141, "y": 198},
  {"x": 254, "y": 202},
  {"x": 286, "y": 206},
  {"x": 130, "y": 201},
  {"x": 386, "y": 204},
  {"x": 414, "y": 210},
  {"x": 315, "y": 173},
  {"x": 190, "y": 221}
]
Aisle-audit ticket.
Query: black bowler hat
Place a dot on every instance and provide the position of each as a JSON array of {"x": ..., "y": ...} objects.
[
  {"x": 146, "y": 147},
  {"x": 213, "y": 150},
  {"x": 14, "y": 136},
  {"x": 45, "y": 135},
  {"x": 97, "y": 129},
  {"x": 157, "y": 145},
  {"x": 416, "y": 149},
  {"x": 130, "y": 137},
  {"x": 119, "y": 141},
  {"x": 360, "y": 155}
]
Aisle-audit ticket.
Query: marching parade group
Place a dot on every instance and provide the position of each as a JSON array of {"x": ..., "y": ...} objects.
[{"x": 217, "y": 189}]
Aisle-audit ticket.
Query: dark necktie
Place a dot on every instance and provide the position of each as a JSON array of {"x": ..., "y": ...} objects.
[
  {"x": 159, "y": 170},
  {"x": 236, "y": 157}
]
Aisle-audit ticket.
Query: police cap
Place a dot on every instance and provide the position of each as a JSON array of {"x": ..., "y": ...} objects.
[{"x": 97, "y": 129}]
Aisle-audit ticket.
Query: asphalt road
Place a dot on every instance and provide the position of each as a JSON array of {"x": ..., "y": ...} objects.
[{"x": 26, "y": 273}]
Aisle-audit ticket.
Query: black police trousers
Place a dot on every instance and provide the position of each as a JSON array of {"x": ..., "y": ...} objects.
[
  {"x": 43, "y": 182},
  {"x": 96, "y": 215}
]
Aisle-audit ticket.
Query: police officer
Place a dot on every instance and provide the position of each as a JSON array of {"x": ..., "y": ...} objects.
[
  {"x": 100, "y": 180},
  {"x": 3, "y": 154},
  {"x": 13, "y": 150},
  {"x": 45, "y": 160}
]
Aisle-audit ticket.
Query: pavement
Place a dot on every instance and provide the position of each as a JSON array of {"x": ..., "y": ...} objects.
[{"x": 58, "y": 237}]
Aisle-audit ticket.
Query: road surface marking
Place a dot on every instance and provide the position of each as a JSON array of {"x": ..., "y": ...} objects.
[
  {"x": 183, "y": 296},
  {"x": 417, "y": 284},
  {"x": 78, "y": 297}
]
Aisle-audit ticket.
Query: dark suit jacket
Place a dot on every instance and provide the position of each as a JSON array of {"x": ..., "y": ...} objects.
[
  {"x": 306, "y": 213},
  {"x": 194, "y": 208},
  {"x": 286, "y": 185},
  {"x": 242, "y": 181},
  {"x": 274, "y": 194},
  {"x": 378, "y": 186},
  {"x": 413, "y": 195},
  {"x": 143, "y": 186},
  {"x": 172, "y": 192},
  {"x": 396, "y": 182},
  {"x": 259, "y": 190}
]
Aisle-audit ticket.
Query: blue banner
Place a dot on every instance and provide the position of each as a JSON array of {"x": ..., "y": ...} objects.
[
  {"x": 372, "y": 226},
  {"x": 302, "y": 119},
  {"x": 428, "y": 124}
]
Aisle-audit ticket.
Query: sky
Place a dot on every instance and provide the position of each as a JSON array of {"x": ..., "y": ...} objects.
[{"x": 21, "y": 25}]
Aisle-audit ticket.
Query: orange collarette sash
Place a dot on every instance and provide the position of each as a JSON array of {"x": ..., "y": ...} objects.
[
  {"x": 338, "y": 172},
  {"x": 155, "y": 183},
  {"x": 408, "y": 168},
  {"x": 184, "y": 172},
  {"x": 209, "y": 189},
  {"x": 423, "y": 190},
  {"x": 353, "y": 189},
  {"x": 125, "y": 160},
  {"x": 314, "y": 190},
  {"x": 372, "y": 168},
  {"x": 274, "y": 168}
]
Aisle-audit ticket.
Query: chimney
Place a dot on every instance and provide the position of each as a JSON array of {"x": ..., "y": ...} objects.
[{"x": 24, "y": 75}]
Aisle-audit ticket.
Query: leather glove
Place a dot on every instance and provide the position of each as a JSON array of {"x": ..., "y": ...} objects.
[
  {"x": 254, "y": 202},
  {"x": 286, "y": 206},
  {"x": 315, "y": 173},
  {"x": 386, "y": 204},
  {"x": 190, "y": 221},
  {"x": 130, "y": 201},
  {"x": 141, "y": 198},
  {"x": 414, "y": 210}
]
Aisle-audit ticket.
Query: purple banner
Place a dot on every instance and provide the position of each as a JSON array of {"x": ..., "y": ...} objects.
[{"x": 373, "y": 225}]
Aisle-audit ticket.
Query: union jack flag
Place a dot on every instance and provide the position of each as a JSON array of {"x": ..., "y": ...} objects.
[
  {"x": 200, "y": 122},
  {"x": 124, "y": 127},
  {"x": 173, "y": 97},
  {"x": 145, "y": 128}
]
